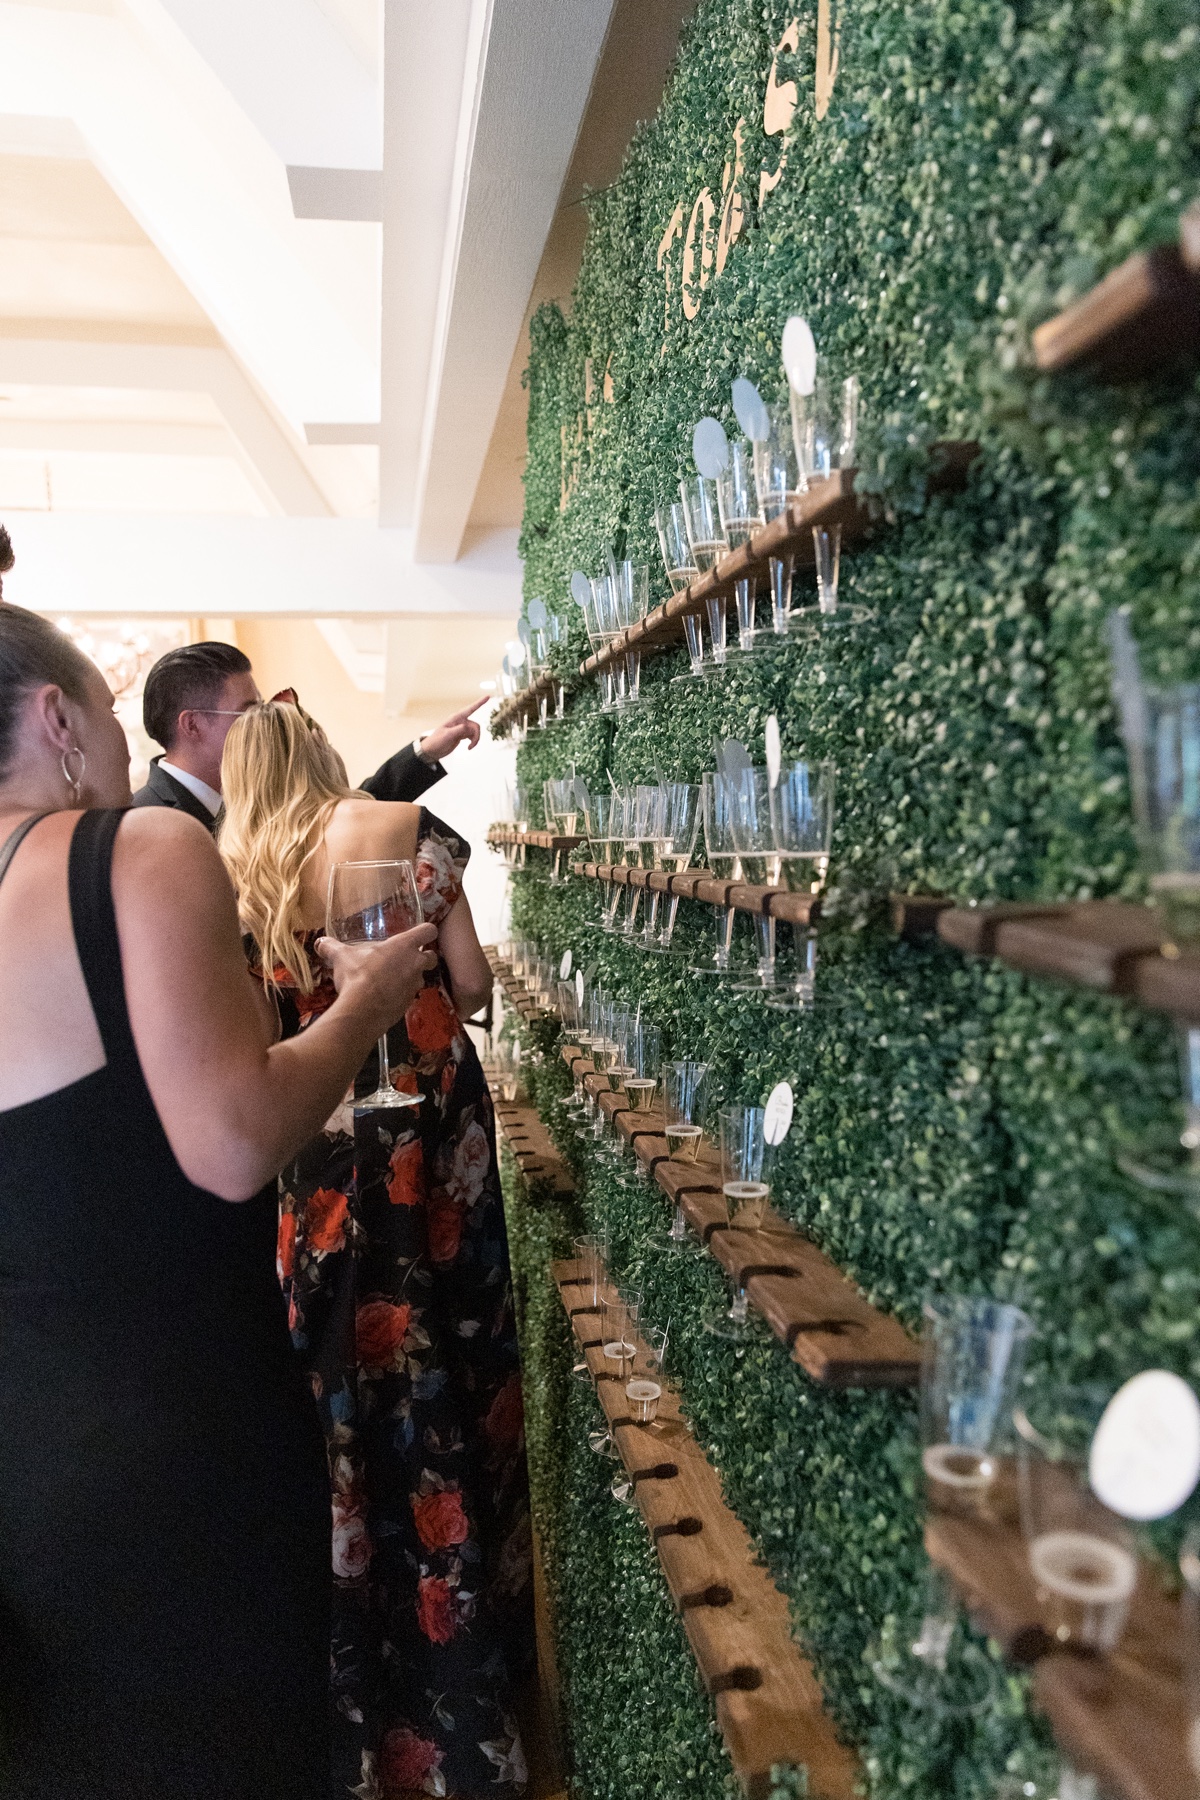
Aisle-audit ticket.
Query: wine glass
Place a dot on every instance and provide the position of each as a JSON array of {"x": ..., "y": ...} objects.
[
  {"x": 746, "y": 1163},
  {"x": 738, "y": 503},
  {"x": 754, "y": 837},
  {"x": 723, "y": 860},
  {"x": 706, "y": 535},
  {"x": 673, "y": 853},
  {"x": 366, "y": 903},
  {"x": 631, "y": 588},
  {"x": 801, "y": 805},
  {"x": 671, "y": 524},
  {"x": 778, "y": 480}
]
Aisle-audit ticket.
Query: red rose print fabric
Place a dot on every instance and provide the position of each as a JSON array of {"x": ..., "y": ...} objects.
[{"x": 393, "y": 1258}]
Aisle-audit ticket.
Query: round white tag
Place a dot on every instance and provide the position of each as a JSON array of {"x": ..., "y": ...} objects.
[
  {"x": 777, "y": 1118},
  {"x": 710, "y": 448},
  {"x": 564, "y": 967},
  {"x": 537, "y": 614},
  {"x": 774, "y": 752},
  {"x": 1145, "y": 1456},
  {"x": 579, "y": 986},
  {"x": 581, "y": 588},
  {"x": 751, "y": 411},
  {"x": 800, "y": 354},
  {"x": 523, "y": 632}
]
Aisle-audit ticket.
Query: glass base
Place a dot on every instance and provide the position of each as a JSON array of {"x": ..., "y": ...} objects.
[
  {"x": 723, "y": 1325},
  {"x": 601, "y": 1444},
  {"x": 622, "y": 1488},
  {"x": 845, "y": 616},
  {"x": 753, "y": 984},
  {"x": 688, "y": 675},
  {"x": 388, "y": 1096},
  {"x": 931, "y": 1664},
  {"x": 792, "y": 1000},
  {"x": 710, "y": 969},
  {"x": 1164, "y": 1169}
]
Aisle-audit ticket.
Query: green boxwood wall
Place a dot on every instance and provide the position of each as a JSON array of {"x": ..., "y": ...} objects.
[{"x": 979, "y": 165}]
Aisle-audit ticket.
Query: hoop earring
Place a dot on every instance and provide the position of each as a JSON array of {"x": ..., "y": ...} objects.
[{"x": 74, "y": 782}]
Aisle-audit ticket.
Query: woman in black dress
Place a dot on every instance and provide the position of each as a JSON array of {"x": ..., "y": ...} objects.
[
  {"x": 394, "y": 1260},
  {"x": 164, "y": 1503}
]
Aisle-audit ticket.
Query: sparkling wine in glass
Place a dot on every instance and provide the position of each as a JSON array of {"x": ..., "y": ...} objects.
[{"x": 368, "y": 902}]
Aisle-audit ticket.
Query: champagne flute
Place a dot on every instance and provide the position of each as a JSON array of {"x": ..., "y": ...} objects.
[{"x": 366, "y": 903}]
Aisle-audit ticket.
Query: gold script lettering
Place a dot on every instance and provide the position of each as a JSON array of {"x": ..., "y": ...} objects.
[
  {"x": 692, "y": 287},
  {"x": 664, "y": 251},
  {"x": 733, "y": 208},
  {"x": 828, "y": 50}
]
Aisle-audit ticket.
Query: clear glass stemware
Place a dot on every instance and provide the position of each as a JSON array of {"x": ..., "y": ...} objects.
[{"x": 366, "y": 903}]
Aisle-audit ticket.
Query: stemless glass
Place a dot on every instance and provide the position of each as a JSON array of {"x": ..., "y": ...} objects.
[
  {"x": 1189, "y": 1566},
  {"x": 366, "y": 903},
  {"x": 827, "y": 548},
  {"x": 738, "y": 504},
  {"x": 1082, "y": 1555},
  {"x": 684, "y": 1095},
  {"x": 972, "y": 1355},
  {"x": 706, "y": 535},
  {"x": 671, "y": 525},
  {"x": 589, "y": 1255}
]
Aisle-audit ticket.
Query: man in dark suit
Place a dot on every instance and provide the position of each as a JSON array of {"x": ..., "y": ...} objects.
[{"x": 193, "y": 695}]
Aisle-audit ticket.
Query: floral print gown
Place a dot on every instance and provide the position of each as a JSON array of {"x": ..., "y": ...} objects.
[{"x": 394, "y": 1261}]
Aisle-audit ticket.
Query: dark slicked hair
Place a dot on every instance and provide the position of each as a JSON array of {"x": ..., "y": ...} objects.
[
  {"x": 191, "y": 676},
  {"x": 7, "y": 558},
  {"x": 34, "y": 654}
]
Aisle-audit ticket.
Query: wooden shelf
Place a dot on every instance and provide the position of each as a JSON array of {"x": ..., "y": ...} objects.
[
  {"x": 539, "y": 840},
  {"x": 522, "y": 706},
  {"x": 517, "y": 994},
  {"x": 1141, "y": 318},
  {"x": 699, "y": 884},
  {"x": 1120, "y": 1717},
  {"x": 829, "y": 502},
  {"x": 1106, "y": 945},
  {"x": 533, "y": 1149},
  {"x": 768, "y": 1700},
  {"x": 839, "y": 1339}
]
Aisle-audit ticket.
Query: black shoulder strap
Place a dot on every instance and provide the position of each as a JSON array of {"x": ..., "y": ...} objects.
[
  {"x": 15, "y": 839},
  {"x": 94, "y": 919}
]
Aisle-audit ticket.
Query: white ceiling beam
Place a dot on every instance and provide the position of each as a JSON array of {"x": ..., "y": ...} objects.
[
  {"x": 293, "y": 73},
  {"x": 355, "y": 194},
  {"x": 341, "y": 434},
  {"x": 537, "y": 70},
  {"x": 171, "y": 567},
  {"x": 431, "y": 56},
  {"x": 269, "y": 456},
  {"x": 113, "y": 437},
  {"x": 208, "y": 192}
]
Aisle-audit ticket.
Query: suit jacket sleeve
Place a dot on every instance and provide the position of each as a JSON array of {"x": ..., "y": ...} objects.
[{"x": 402, "y": 777}]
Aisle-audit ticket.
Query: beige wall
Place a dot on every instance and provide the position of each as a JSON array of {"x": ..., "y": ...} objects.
[{"x": 442, "y": 661}]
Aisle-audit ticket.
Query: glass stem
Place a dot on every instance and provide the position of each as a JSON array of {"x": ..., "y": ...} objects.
[
  {"x": 744, "y": 591},
  {"x": 694, "y": 634},
  {"x": 385, "y": 1067},
  {"x": 781, "y": 591},
  {"x": 669, "y": 928},
  {"x": 740, "y": 1309},
  {"x": 724, "y": 936},
  {"x": 765, "y": 931},
  {"x": 716, "y": 626}
]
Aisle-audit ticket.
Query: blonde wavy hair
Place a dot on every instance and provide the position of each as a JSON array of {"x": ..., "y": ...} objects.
[{"x": 281, "y": 779}]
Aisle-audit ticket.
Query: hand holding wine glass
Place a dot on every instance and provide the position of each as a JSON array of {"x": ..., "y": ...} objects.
[{"x": 369, "y": 903}]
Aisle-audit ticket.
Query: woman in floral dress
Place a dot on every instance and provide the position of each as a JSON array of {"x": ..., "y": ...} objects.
[{"x": 393, "y": 1257}]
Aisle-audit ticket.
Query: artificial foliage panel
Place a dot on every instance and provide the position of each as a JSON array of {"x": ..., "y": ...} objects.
[{"x": 925, "y": 184}]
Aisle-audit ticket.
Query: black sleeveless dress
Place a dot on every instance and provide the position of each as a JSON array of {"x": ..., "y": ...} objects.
[{"x": 164, "y": 1500}]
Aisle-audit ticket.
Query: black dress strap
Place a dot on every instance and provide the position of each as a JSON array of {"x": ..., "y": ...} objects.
[
  {"x": 15, "y": 839},
  {"x": 94, "y": 920}
]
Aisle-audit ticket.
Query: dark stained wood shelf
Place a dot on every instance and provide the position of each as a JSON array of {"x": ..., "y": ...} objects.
[
  {"x": 1106, "y": 945},
  {"x": 533, "y": 1149},
  {"x": 1143, "y": 316},
  {"x": 768, "y": 1701},
  {"x": 522, "y": 706},
  {"x": 829, "y": 502},
  {"x": 699, "y": 884},
  {"x": 836, "y": 1336},
  {"x": 1121, "y": 1717},
  {"x": 516, "y": 993},
  {"x": 539, "y": 840}
]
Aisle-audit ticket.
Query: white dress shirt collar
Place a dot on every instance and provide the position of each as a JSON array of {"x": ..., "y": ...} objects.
[{"x": 207, "y": 796}]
